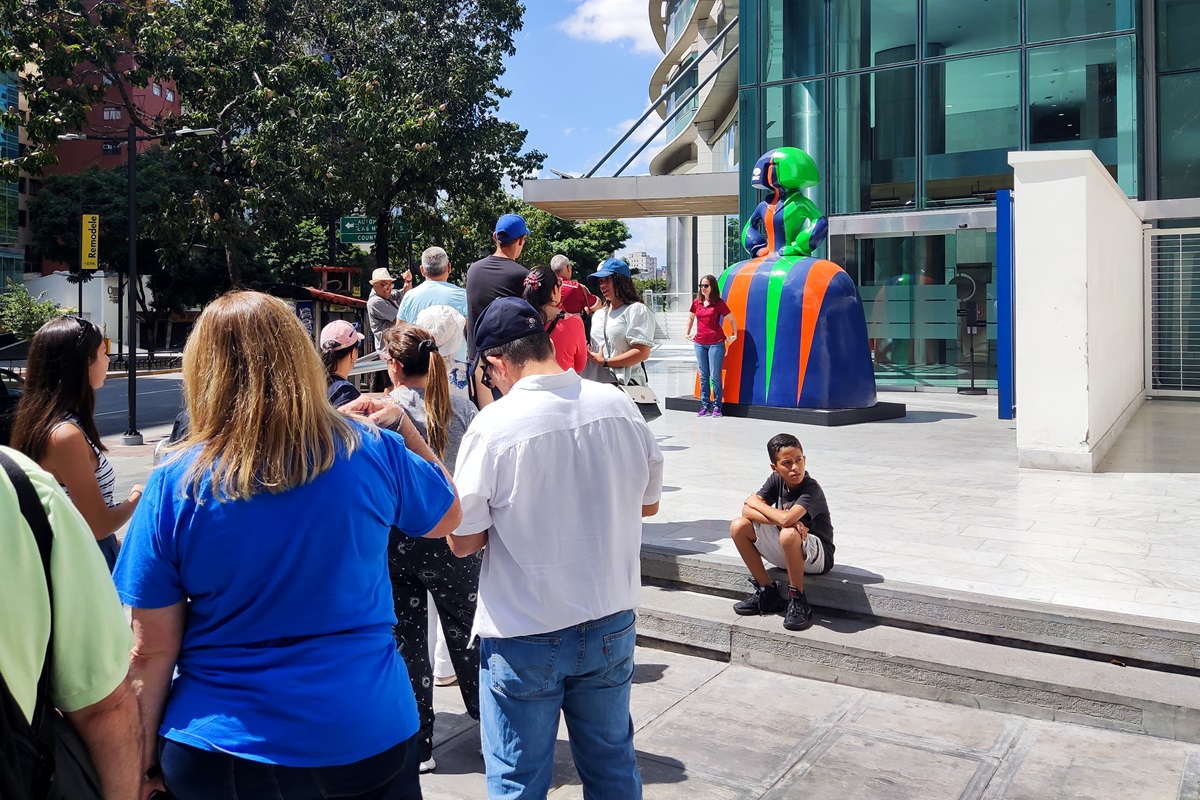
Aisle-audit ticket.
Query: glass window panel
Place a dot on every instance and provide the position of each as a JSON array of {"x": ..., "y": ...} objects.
[
  {"x": 678, "y": 13},
  {"x": 870, "y": 33},
  {"x": 1083, "y": 96},
  {"x": 794, "y": 116},
  {"x": 1061, "y": 19},
  {"x": 967, "y": 26},
  {"x": 874, "y": 143},
  {"x": 793, "y": 39},
  {"x": 1179, "y": 136},
  {"x": 681, "y": 91},
  {"x": 972, "y": 121},
  {"x": 1178, "y": 33}
]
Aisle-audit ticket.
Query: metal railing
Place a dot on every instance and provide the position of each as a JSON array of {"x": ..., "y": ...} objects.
[{"x": 680, "y": 107}]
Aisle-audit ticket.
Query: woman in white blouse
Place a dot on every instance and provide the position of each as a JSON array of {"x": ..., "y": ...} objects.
[{"x": 623, "y": 330}]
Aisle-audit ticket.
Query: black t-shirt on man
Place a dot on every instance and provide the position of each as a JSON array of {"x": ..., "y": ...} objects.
[
  {"x": 487, "y": 279},
  {"x": 809, "y": 495}
]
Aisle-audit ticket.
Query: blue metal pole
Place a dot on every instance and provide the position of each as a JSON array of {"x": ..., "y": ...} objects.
[{"x": 1005, "y": 290}]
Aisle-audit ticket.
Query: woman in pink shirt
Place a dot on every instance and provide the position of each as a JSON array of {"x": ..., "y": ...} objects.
[
  {"x": 708, "y": 312},
  {"x": 543, "y": 291}
]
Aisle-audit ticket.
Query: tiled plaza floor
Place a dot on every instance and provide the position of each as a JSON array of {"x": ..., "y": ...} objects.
[{"x": 936, "y": 499}]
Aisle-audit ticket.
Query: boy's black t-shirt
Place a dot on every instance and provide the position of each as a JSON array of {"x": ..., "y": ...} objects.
[{"x": 809, "y": 495}]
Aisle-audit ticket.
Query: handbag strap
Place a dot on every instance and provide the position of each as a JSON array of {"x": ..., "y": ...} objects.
[
  {"x": 35, "y": 517},
  {"x": 554, "y": 322}
]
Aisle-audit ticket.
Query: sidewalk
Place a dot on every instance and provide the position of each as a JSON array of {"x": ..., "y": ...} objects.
[
  {"x": 707, "y": 730},
  {"x": 936, "y": 499}
]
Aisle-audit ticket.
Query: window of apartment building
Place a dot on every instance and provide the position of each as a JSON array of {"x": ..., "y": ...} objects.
[
  {"x": 681, "y": 90},
  {"x": 22, "y": 218},
  {"x": 793, "y": 39},
  {"x": 170, "y": 96},
  {"x": 112, "y": 112},
  {"x": 111, "y": 148},
  {"x": 968, "y": 26},
  {"x": 21, "y": 185},
  {"x": 154, "y": 87},
  {"x": 1067, "y": 18},
  {"x": 873, "y": 33}
]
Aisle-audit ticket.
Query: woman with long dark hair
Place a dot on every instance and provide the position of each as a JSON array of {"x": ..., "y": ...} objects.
[
  {"x": 55, "y": 424},
  {"x": 425, "y": 568},
  {"x": 263, "y": 648},
  {"x": 707, "y": 315},
  {"x": 543, "y": 291},
  {"x": 623, "y": 330}
]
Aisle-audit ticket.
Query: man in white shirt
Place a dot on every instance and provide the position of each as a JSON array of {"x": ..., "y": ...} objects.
[{"x": 559, "y": 580}]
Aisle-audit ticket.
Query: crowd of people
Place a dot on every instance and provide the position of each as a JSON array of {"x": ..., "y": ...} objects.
[{"x": 310, "y": 560}]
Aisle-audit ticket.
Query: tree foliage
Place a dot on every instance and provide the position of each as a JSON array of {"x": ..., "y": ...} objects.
[{"x": 24, "y": 314}]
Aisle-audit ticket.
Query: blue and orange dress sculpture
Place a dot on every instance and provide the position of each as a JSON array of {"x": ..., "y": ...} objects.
[{"x": 804, "y": 344}]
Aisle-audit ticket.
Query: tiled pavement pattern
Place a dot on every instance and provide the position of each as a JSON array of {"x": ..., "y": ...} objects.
[
  {"x": 712, "y": 730},
  {"x": 936, "y": 499}
]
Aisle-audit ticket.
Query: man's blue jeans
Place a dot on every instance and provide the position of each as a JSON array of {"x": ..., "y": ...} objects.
[
  {"x": 710, "y": 357},
  {"x": 585, "y": 671}
]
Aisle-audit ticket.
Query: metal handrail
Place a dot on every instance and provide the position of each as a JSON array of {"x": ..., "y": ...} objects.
[
  {"x": 663, "y": 96},
  {"x": 681, "y": 107}
]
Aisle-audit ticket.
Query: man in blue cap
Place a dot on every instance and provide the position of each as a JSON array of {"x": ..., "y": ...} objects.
[
  {"x": 497, "y": 275},
  {"x": 559, "y": 581}
]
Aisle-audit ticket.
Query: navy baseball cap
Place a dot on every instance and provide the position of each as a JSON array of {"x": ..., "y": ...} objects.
[
  {"x": 614, "y": 266},
  {"x": 506, "y": 320},
  {"x": 511, "y": 227}
]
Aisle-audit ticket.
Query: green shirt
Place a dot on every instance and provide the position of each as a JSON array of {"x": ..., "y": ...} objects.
[{"x": 91, "y": 635}]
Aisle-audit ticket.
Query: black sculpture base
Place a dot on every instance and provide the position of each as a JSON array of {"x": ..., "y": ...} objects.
[{"x": 828, "y": 417}]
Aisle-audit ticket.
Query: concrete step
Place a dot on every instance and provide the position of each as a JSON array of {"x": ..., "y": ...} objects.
[
  {"x": 917, "y": 664},
  {"x": 1138, "y": 641}
]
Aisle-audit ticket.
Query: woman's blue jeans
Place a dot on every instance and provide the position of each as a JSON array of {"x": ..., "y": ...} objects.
[
  {"x": 710, "y": 357},
  {"x": 585, "y": 672}
]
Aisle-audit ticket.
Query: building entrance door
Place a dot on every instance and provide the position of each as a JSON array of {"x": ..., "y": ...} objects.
[
  {"x": 1173, "y": 312},
  {"x": 930, "y": 304}
]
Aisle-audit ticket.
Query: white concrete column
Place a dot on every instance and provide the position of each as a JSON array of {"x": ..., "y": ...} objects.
[{"x": 1080, "y": 313}]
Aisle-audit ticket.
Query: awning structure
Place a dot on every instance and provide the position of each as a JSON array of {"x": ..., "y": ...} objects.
[{"x": 640, "y": 196}]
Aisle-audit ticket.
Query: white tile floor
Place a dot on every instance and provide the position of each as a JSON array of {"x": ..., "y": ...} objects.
[{"x": 937, "y": 499}]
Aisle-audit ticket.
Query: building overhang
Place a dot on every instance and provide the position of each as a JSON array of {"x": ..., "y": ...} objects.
[{"x": 639, "y": 196}]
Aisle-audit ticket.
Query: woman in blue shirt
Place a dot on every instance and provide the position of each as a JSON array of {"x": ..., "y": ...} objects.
[{"x": 257, "y": 573}]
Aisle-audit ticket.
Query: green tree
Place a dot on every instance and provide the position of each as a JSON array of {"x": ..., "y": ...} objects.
[{"x": 24, "y": 314}]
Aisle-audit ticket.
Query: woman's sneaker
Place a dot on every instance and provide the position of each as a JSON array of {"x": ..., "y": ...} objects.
[
  {"x": 799, "y": 612},
  {"x": 716, "y": 412},
  {"x": 765, "y": 600},
  {"x": 703, "y": 411}
]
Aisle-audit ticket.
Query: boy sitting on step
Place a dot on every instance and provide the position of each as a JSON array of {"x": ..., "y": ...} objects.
[{"x": 787, "y": 523}]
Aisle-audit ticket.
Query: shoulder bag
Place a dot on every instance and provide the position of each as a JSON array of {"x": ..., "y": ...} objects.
[{"x": 641, "y": 394}]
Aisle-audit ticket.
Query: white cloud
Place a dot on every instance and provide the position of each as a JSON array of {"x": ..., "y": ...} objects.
[
  {"x": 608, "y": 21},
  {"x": 568, "y": 131}
]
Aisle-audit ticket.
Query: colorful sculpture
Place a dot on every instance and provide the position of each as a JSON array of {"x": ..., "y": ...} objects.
[{"x": 804, "y": 343}]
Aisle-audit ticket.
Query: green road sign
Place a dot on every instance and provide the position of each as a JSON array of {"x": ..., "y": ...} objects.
[
  {"x": 358, "y": 230},
  {"x": 401, "y": 227}
]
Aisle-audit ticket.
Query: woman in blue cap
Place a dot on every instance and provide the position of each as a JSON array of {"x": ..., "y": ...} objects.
[{"x": 623, "y": 330}]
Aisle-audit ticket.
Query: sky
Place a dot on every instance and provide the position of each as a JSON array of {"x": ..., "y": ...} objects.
[{"x": 579, "y": 79}]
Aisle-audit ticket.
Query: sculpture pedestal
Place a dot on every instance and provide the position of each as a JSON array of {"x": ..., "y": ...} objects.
[{"x": 827, "y": 417}]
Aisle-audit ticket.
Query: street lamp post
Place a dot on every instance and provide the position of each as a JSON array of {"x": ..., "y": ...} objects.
[{"x": 132, "y": 436}]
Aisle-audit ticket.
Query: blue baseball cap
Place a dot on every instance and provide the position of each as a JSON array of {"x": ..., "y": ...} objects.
[
  {"x": 510, "y": 227},
  {"x": 614, "y": 266},
  {"x": 506, "y": 320}
]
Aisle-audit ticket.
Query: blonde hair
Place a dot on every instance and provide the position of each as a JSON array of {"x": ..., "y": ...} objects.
[
  {"x": 415, "y": 350},
  {"x": 255, "y": 389}
]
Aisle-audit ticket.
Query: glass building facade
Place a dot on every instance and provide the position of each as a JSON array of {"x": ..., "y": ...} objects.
[
  {"x": 12, "y": 261},
  {"x": 914, "y": 106}
]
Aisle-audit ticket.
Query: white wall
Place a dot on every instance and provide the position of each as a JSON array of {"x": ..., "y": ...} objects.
[
  {"x": 1080, "y": 326},
  {"x": 99, "y": 304}
]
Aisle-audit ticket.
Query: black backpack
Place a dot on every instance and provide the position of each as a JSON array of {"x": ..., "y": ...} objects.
[{"x": 45, "y": 758}]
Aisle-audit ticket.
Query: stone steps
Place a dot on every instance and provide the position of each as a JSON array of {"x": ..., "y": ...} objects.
[
  {"x": 1157, "y": 644},
  {"x": 867, "y": 654}
]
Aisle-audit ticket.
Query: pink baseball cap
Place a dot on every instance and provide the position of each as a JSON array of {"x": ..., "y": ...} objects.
[{"x": 339, "y": 334}]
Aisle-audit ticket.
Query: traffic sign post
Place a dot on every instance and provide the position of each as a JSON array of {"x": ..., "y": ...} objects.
[{"x": 357, "y": 230}]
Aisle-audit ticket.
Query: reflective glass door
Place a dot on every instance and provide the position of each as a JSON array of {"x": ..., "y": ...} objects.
[{"x": 930, "y": 305}]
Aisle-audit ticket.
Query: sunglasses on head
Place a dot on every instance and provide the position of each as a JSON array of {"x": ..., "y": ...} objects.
[{"x": 84, "y": 327}]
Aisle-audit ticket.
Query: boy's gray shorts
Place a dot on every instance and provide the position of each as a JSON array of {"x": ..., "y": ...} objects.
[{"x": 766, "y": 542}]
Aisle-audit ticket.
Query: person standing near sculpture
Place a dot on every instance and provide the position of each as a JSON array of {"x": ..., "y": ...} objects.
[
  {"x": 623, "y": 330},
  {"x": 707, "y": 315},
  {"x": 496, "y": 275},
  {"x": 562, "y": 642}
]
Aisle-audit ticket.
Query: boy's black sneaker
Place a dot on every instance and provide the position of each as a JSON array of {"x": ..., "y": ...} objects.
[
  {"x": 799, "y": 612},
  {"x": 765, "y": 600}
]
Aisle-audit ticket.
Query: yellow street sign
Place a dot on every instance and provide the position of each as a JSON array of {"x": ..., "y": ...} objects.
[{"x": 89, "y": 248}]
